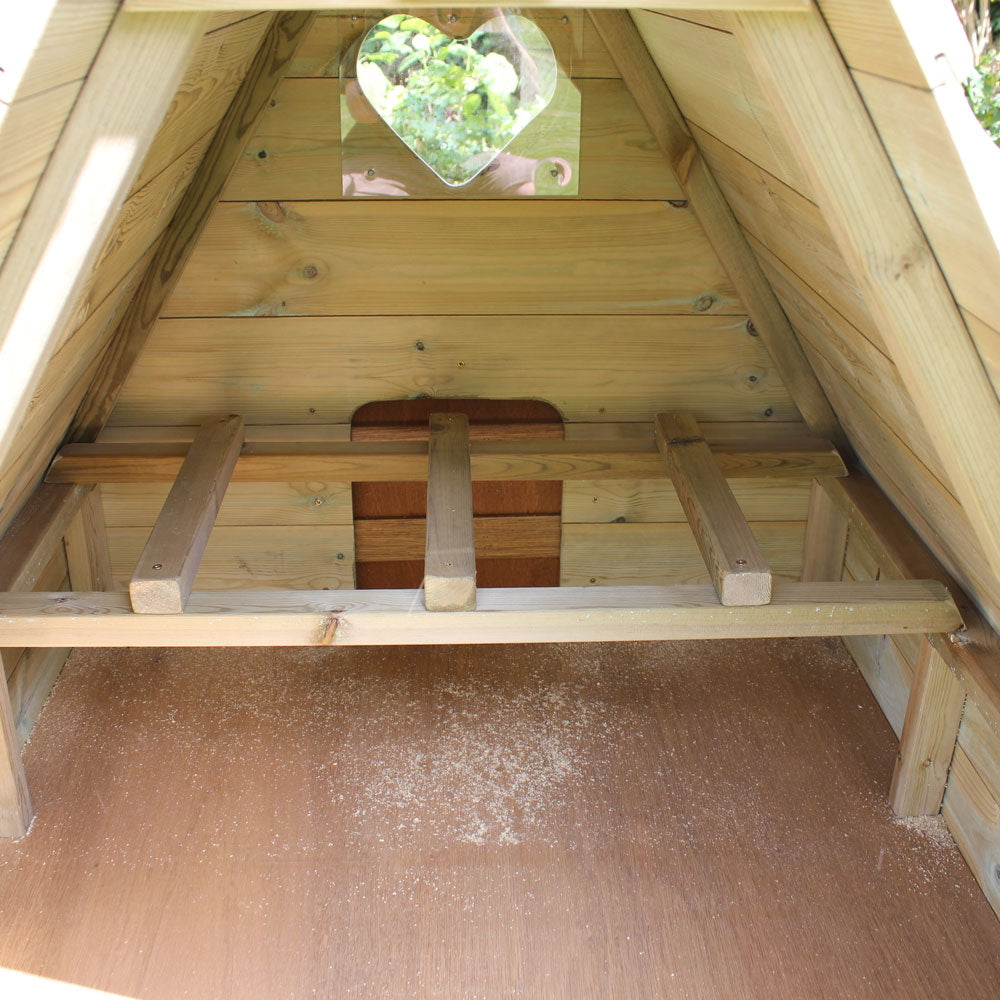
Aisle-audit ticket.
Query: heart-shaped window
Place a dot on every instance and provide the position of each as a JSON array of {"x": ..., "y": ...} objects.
[{"x": 457, "y": 102}]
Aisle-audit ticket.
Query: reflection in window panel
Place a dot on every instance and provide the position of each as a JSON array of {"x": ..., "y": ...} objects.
[{"x": 457, "y": 104}]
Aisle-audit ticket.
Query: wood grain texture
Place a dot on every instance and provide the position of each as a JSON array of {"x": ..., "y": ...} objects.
[
  {"x": 295, "y": 153},
  {"x": 15, "y": 801},
  {"x": 136, "y": 505},
  {"x": 481, "y": 258},
  {"x": 872, "y": 37},
  {"x": 643, "y": 501},
  {"x": 947, "y": 165},
  {"x": 801, "y": 68},
  {"x": 535, "y": 614},
  {"x": 51, "y": 43},
  {"x": 656, "y": 554},
  {"x": 738, "y": 569},
  {"x": 791, "y": 227},
  {"x": 300, "y": 370},
  {"x": 165, "y": 573},
  {"x": 88, "y": 559},
  {"x": 898, "y": 551},
  {"x": 640, "y": 73},
  {"x": 826, "y": 537},
  {"x": 526, "y": 536},
  {"x": 214, "y": 75},
  {"x": 29, "y": 130},
  {"x": 598, "y": 861},
  {"x": 715, "y": 87},
  {"x": 450, "y": 555},
  {"x": 249, "y": 557},
  {"x": 930, "y": 732},
  {"x": 973, "y": 815},
  {"x": 27, "y": 545},
  {"x": 189, "y": 219},
  {"x": 127, "y": 92},
  {"x": 377, "y": 461}
]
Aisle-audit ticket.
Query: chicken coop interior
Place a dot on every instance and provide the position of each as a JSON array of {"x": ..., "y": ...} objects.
[{"x": 498, "y": 502}]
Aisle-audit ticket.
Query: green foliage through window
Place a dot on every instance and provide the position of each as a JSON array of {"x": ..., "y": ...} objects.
[{"x": 457, "y": 102}]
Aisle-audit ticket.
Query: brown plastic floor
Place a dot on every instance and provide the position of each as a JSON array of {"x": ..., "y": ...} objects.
[{"x": 702, "y": 820}]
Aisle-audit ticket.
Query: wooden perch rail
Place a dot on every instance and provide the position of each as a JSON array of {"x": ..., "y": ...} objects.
[
  {"x": 737, "y": 566},
  {"x": 535, "y": 614},
  {"x": 169, "y": 563},
  {"x": 739, "y": 457},
  {"x": 450, "y": 557}
]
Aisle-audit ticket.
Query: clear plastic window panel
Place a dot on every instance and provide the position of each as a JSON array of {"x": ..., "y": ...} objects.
[{"x": 475, "y": 106}]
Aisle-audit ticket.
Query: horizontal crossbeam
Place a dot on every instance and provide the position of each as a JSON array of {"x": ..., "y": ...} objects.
[
  {"x": 542, "y": 614},
  {"x": 799, "y": 457}
]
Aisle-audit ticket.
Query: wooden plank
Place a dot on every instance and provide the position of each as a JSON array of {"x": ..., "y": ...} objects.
[
  {"x": 53, "y": 577},
  {"x": 613, "y": 555},
  {"x": 948, "y": 166},
  {"x": 30, "y": 686},
  {"x": 29, "y": 130},
  {"x": 974, "y": 655},
  {"x": 450, "y": 556},
  {"x": 872, "y": 38},
  {"x": 51, "y": 43},
  {"x": 214, "y": 76},
  {"x": 862, "y": 199},
  {"x": 714, "y": 86},
  {"x": 127, "y": 92},
  {"x": 136, "y": 505},
  {"x": 174, "y": 5},
  {"x": 66, "y": 377},
  {"x": 287, "y": 259},
  {"x": 925, "y": 501},
  {"x": 791, "y": 227},
  {"x": 643, "y": 79},
  {"x": 88, "y": 559},
  {"x": 278, "y": 370},
  {"x": 267, "y": 69},
  {"x": 167, "y": 567},
  {"x": 378, "y": 461},
  {"x": 530, "y": 536},
  {"x": 826, "y": 537},
  {"x": 858, "y": 360},
  {"x": 248, "y": 557},
  {"x": 295, "y": 153},
  {"x": 651, "y": 501},
  {"x": 973, "y": 815},
  {"x": 15, "y": 802},
  {"x": 739, "y": 571},
  {"x": 27, "y": 545},
  {"x": 534, "y": 614},
  {"x": 930, "y": 732}
]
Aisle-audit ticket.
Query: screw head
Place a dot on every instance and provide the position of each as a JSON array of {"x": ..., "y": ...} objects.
[
  {"x": 370, "y": 173},
  {"x": 157, "y": 565}
]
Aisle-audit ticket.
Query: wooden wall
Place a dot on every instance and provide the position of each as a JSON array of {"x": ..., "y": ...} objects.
[
  {"x": 47, "y": 84},
  {"x": 702, "y": 62},
  {"x": 701, "y": 59},
  {"x": 298, "y": 306},
  {"x": 45, "y": 53},
  {"x": 972, "y": 798},
  {"x": 210, "y": 82}
]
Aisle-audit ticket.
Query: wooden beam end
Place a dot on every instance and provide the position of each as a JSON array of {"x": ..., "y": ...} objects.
[
  {"x": 449, "y": 593},
  {"x": 745, "y": 589},
  {"x": 156, "y": 597}
]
